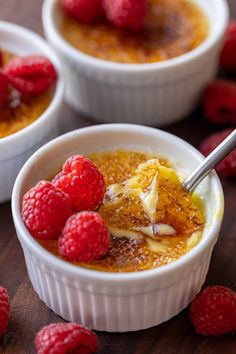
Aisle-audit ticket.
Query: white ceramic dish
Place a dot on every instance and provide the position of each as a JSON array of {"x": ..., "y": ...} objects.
[
  {"x": 112, "y": 301},
  {"x": 17, "y": 148},
  {"x": 153, "y": 94}
]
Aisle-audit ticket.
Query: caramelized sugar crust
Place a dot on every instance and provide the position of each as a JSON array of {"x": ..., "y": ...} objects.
[
  {"x": 21, "y": 111},
  {"x": 173, "y": 27},
  {"x": 174, "y": 207}
]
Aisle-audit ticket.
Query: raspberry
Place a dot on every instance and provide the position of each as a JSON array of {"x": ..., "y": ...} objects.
[
  {"x": 220, "y": 102},
  {"x": 4, "y": 310},
  {"x": 228, "y": 54},
  {"x": 3, "y": 88},
  {"x": 213, "y": 311},
  {"x": 31, "y": 75},
  {"x": 128, "y": 14},
  {"x": 83, "y": 10},
  {"x": 227, "y": 167},
  {"x": 83, "y": 181},
  {"x": 62, "y": 338},
  {"x": 45, "y": 209},
  {"x": 84, "y": 238}
]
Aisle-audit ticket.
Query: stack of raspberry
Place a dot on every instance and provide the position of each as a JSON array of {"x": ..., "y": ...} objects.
[
  {"x": 64, "y": 209},
  {"x": 127, "y": 14},
  {"x": 31, "y": 75}
]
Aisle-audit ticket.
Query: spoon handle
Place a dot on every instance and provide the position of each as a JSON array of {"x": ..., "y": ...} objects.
[{"x": 217, "y": 155}]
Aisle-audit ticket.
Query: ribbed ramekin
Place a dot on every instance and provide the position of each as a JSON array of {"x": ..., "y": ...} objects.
[
  {"x": 152, "y": 94},
  {"x": 117, "y": 302},
  {"x": 17, "y": 148}
]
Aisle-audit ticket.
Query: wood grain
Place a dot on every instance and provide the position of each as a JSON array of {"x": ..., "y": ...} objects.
[{"x": 29, "y": 314}]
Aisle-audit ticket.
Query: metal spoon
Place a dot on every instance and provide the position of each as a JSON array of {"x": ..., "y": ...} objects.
[{"x": 217, "y": 155}]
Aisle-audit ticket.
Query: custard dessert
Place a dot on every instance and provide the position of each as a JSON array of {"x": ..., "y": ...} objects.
[
  {"x": 20, "y": 109},
  {"x": 172, "y": 28},
  {"x": 152, "y": 219}
]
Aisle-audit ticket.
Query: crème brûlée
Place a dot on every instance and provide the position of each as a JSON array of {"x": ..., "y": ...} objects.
[
  {"x": 152, "y": 219},
  {"x": 172, "y": 28},
  {"x": 21, "y": 110}
]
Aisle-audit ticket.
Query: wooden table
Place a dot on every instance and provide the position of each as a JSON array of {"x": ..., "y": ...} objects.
[{"x": 29, "y": 314}]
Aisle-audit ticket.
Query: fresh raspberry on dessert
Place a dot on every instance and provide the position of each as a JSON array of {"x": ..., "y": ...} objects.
[
  {"x": 213, "y": 311},
  {"x": 4, "y": 310},
  {"x": 220, "y": 102},
  {"x": 83, "y": 181},
  {"x": 228, "y": 54},
  {"x": 61, "y": 338},
  {"x": 84, "y": 238},
  {"x": 227, "y": 167},
  {"x": 129, "y": 14},
  {"x": 83, "y": 10},
  {"x": 45, "y": 209},
  {"x": 31, "y": 75},
  {"x": 3, "y": 88}
]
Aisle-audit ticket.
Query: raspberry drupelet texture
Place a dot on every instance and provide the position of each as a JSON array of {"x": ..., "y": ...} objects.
[
  {"x": 227, "y": 167},
  {"x": 31, "y": 75},
  {"x": 220, "y": 102},
  {"x": 3, "y": 88},
  {"x": 62, "y": 338},
  {"x": 84, "y": 238},
  {"x": 228, "y": 54},
  {"x": 83, "y": 181},
  {"x": 127, "y": 14},
  {"x": 45, "y": 209},
  {"x": 83, "y": 10},
  {"x": 213, "y": 311},
  {"x": 4, "y": 310}
]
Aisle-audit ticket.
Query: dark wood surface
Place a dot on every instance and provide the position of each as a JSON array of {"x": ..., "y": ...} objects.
[{"x": 29, "y": 314}]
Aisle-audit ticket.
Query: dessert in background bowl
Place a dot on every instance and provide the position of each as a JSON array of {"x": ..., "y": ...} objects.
[
  {"x": 29, "y": 106},
  {"x": 27, "y": 93},
  {"x": 152, "y": 76},
  {"x": 106, "y": 298},
  {"x": 171, "y": 28}
]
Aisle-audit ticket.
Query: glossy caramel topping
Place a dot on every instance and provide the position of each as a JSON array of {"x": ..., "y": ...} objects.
[
  {"x": 153, "y": 196},
  {"x": 173, "y": 27},
  {"x": 20, "y": 111},
  {"x": 138, "y": 242}
]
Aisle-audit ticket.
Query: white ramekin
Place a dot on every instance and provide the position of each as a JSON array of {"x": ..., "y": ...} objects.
[
  {"x": 117, "y": 302},
  {"x": 17, "y": 148},
  {"x": 157, "y": 94}
]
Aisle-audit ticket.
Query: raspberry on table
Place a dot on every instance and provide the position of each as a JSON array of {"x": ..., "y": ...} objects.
[
  {"x": 45, "y": 209},
  {"x": 84, "y": 238},
  {"x": 31, "y": 75},
  {"x": 227, "y": 167},
  {"x": 4, "y": 310},
  {"x": 127, "y": 14},
  {"x": 220, "y": 102},
  {"x": 3, "y": 88},
  {"x": 228, "y": 54},
  {"x": 83, "y": 10},
  {"x": 61, "y": 338},
  {"x": 213, "y": 311},
  {"x": 83, "y": 181}
]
